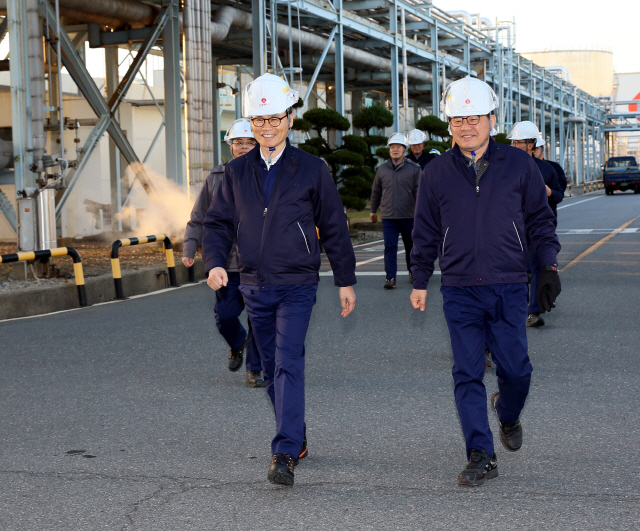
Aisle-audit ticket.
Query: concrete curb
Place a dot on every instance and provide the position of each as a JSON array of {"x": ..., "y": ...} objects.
[{"x": 37, "y": 301}]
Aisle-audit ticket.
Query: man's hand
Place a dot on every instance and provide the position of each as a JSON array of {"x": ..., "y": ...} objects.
[
  {"x": 374, "y": 217},
  {"x": 548, "y": 190},
  {"x": 187, "y": 261},
  {"x": 347, "y": 299},
  {"x": 217, "y": 278},
  {"x": 418, "y": 299}
]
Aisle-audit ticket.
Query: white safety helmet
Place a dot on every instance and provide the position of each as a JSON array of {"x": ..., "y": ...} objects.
[
  {"x": 267, "y": 95},
  {"x": 468, "y": 97},
  {"x": 239, "y": 129},
  {"x": 523, "y": 131},
  {"x": 539, "y": 141},
  {"x": 416, "y": 137},
  {"x": 397, "y": 138},
  {"x": 434, "y": 151}
]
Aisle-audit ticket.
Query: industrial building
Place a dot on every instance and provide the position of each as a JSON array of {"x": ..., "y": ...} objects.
[{"x": 102, "y": 99}]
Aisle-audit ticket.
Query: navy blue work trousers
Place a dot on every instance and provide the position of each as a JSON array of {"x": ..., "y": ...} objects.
[
  {"x": 229, "y": 306},
  {"x": 391, "y": 229},
  {"x": 494, "y": 315},
  {"x": 280, "y": 318}
]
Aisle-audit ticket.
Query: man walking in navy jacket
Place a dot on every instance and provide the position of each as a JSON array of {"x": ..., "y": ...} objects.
[
  {"x": 271, "y": 200},
  {"x": 476, "y": 205}
]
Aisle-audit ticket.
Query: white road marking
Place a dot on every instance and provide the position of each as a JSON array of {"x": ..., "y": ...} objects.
[
  {"x": 578, "y": 202},
  {"x": 374, "y": 259},
  {"x": 565, "y": 232}
]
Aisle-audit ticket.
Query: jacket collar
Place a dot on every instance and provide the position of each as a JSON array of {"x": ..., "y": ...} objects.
[
  {"x": 254, "y": 154},
  {"x": 393, "y": 166},
  {"x": 493, "y": 153}
]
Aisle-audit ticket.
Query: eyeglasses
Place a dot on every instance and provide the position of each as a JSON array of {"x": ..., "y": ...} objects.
[
  {"x": 247, "y": 143},
  {"x": 274, "y": 121},
  {"x": 471, "y": 120}
]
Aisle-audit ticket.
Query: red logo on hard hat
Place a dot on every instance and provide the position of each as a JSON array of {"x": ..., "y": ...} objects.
[
  {"x": 264, "y": 100},
  {"x": 467, "y": 102}
]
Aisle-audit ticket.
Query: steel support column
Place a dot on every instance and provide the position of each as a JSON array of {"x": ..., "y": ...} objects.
[
  {"x": 339, "y": 69},
  {"x": 395, "y": 74},
  {"x": 172, "y": 98},
  {"x": 111, "y": 64},
  {"x": 258, "y": 10},
  {"x": 217, "y": 146}
]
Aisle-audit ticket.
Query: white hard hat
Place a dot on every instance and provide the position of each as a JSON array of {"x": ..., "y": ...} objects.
[
  {"x": 416, "y": 137},
  {"x": 266, "y": 95},
  {"x": 539, "y": 141},
  {"x": 523, "y": 131},
  {"x": 468, "y": 97},
  {"x": 397, "y": 138},
  {"x": 434, "y": 151},
  {"x": 239, "y": 129}
]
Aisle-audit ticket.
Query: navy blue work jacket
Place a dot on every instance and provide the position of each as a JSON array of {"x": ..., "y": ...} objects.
[
  {"x": 562, "y": 176},
  {"x": 425, "y": 158},
  {"x": 550, "y": 178},
  {"x": 277, "y": 241},
  {"x": 480, "y": 237}
]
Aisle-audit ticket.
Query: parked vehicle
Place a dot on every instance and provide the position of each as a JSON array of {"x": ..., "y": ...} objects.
[{"x": 621, "y": 173}]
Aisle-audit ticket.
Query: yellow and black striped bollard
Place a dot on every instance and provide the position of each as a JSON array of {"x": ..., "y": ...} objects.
[
  {"x": 51, "y": 253},
  {"x": 127, "y": 242}
]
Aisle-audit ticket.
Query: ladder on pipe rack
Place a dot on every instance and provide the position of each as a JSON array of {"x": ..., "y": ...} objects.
[{"x": 7, "y": 209}]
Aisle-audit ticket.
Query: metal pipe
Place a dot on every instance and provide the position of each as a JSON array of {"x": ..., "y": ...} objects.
[
  {"x": 405, "y": 81},
  {"x": 36, "y": 68}
]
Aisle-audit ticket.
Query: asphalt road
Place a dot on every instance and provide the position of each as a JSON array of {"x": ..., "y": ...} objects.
[{"x": 124, "y": 417}]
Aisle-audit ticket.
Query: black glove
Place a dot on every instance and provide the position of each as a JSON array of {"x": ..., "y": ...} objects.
[{"x": 548, "y": 287}]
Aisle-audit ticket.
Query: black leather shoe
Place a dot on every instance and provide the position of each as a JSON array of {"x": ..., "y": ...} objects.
[
  {"x": 235, "y": 359},
  {"x": 481, "y": 466},
  {"x": 304, "y": 451},
  {"x": 534, "y": 320},
  {"x": 390, "y": 283},
  {"x": 254, "y": 379},
  {"x": 281, "y": 470},
  {"x": 510, "y": 434}
]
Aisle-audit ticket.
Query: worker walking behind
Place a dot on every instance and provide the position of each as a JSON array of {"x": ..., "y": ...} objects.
[
  {"x": 475, "y": 205},
  {"x": 538, "y": 153},
  {"x": 271, "y": 201},
  {"x": 417, "y": 153},
  {"x": 525, "y": 136},
  {"x": 229, "y": 302},
  {"x": 394, "y": 191}
]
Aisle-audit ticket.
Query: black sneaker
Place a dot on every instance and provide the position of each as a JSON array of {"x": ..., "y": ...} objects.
[
  {"x": 534, "y": 320},
  {"x": 254, "y": 379},
  {"x": 235, "y": 359},
  {"x": 411, "y": 277},
  {"x": 510, "y": 434},
  {"x": 390, "y": 283},
  {"x": 281, "y": 469},
  {"x": 481, "y": 466},
  {"x": 487, "y": 358},
  {"x": 304, "y": 451}
]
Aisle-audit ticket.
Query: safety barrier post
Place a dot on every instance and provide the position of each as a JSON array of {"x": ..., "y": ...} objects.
[
  {"x": 51, "y": 253},
  {"x": 127, "y": 242},
  {"x": 191, "y": 273}
]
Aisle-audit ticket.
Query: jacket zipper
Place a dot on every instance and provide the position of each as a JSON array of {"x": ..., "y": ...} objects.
[
  {"x": 518, "y": 235},
  {"x": 444, "y": 239},
  {"x": 305, "y": 238}
]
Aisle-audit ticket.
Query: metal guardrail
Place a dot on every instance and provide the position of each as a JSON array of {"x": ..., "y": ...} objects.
[
  {"x": 51, "y": 253},
  {"x": 587, "y": 187},
  {"x": 127, "y": 242}
]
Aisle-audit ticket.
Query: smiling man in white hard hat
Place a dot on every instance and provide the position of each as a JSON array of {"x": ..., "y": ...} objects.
[
  {"x": 229, "y": 303},
  {"x": 477, "y": 206},
  {"x": 416, "y": 139},
  {"x": 271, "y": 201},
  {"x": 394, "y": 191}
]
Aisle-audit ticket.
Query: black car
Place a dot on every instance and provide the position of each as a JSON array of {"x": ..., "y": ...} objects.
[{"x": 621, "y": 173}]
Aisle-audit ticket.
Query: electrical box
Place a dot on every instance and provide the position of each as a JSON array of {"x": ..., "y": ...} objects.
[{"x": 27, "y": 224}]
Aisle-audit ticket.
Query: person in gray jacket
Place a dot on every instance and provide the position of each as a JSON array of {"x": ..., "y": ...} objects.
[
  {"x": 229, "y": 302},
  {"x": 394, "y": 190}
]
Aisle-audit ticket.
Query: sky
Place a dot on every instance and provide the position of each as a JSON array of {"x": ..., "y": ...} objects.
[{"x": 566, "y": 25}]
